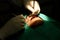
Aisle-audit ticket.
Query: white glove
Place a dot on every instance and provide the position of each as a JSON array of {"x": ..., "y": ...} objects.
[{"x": 36, "y": 8}]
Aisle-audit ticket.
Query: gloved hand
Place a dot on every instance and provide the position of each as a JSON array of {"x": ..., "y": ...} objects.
[
  {"x": 33, "y": 8},
  {"x": 14, "y": 25}
]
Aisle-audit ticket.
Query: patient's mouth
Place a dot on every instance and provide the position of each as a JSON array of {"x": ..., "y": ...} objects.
[{"x": 33, "y": 17}]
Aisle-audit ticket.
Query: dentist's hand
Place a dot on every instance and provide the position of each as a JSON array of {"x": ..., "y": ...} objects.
[
  {"x": 30, "y": 6},
  {"x": 33, "y": 20}
]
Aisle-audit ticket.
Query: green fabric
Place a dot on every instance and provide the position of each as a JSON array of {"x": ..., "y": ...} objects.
[{"x": 48, "y": 31}]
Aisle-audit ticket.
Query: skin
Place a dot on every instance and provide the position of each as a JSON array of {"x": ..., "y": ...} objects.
[{"x": 33, "y": 20}]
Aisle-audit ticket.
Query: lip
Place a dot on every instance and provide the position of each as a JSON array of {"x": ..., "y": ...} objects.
[
  {"x": 34, "y": 17},
  {"x": 35, "y": 20}
]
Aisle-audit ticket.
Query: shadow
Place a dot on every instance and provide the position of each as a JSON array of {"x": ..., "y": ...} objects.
[{"x": 14, "y": 36}]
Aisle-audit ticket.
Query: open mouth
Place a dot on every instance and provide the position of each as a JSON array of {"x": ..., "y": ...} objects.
[
  {"x": 35, "y": 20},
  {"x": 34, "y": 17}
]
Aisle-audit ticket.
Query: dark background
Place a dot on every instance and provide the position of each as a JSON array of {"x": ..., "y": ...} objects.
[{"x": 8, "y": 10}]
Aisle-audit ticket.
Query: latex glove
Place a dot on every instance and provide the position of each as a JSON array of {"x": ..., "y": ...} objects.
[{"x": 36, "y": 8}]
